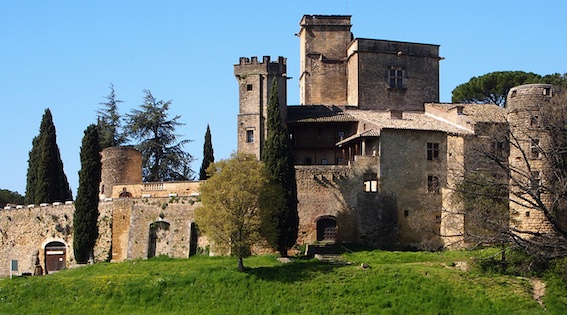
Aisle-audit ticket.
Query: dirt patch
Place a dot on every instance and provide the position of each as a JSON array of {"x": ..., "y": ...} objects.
[{"x": 538, "y": 288}]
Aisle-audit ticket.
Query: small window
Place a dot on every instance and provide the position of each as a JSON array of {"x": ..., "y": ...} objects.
[
  {"x": 324, "y": 162},
  {"x": 535, "y": 151},
  {"x": 248, "y": 87},
  {"x": 406, "y": 213},
  {"x": 250, "y": 136},
  {"x": 341, "y": 135},
  {"x": 438, "y": 219},
  {"x": 340, "y": 161},
  {"x": 547, "y": 91},
  {"x": 432, "y": 151},
  {"x": 307, "y": 161},
  {"x": 534, "y": 121},
  {"x": 535, "y": 180},
  {"x": 499, "y": 147},
  {"x": 396, "y": 78},
  {"x": 433, "y": 184},
  {"x": 513, "y": 94},
  {"x": 371, "y": 182},
  {"x": 527, "y": 213}
]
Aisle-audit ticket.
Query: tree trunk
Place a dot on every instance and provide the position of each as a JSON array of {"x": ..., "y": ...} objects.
[{"x": 240, "y": 264}]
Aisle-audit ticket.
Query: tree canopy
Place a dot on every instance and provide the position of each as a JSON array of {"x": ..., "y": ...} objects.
[
  {"x": 109, "y": 122},
  {"x": 278, "y": 158},
  {"x": 234, "y": 196},
  {"x": 493, "y": 87},
  {"x": 163, "y": 157},
  {"x": 86, "y": 206},
  {"x": 46, "y": 179},
  {"x": 8, "y": 196},
  {"x": 208, "y": 155}
]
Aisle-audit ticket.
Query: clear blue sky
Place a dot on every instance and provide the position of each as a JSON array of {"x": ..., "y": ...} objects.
[{"x": 64, "y": 55}]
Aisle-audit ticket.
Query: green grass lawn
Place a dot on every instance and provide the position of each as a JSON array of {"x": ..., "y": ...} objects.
[{"x": 394, "y": 283}]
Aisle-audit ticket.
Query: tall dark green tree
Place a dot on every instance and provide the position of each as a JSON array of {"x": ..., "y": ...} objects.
[
  {"x": 208, "y": 155},
  {"x": 109, "y": 122},
  {"x": 46, "y": 179},
  {"x": 86, "y": 206},
  {"x": 163, "y": 157},
  {"x": 279, "y": 160}
]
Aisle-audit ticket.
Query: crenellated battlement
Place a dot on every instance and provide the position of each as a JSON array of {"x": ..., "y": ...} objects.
[{"x": 253, "y": 65}]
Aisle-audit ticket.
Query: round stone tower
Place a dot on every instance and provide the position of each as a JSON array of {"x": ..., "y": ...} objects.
[
  {"x": 120, "y": 165},
  {"x": 526, "y": 105}
]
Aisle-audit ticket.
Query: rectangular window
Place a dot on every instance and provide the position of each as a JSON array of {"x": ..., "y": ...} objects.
[
  {"x": 499, "y": 148},
  {"x": 371, "y": 182},
  {"x": 535, "y": 180},
  {"x": 341, "y": 135},
  {"x": 433, "y": 184},
  {"x": 535, "y": 151},
  {"x": 307, "y": 161},
  {"x": 248, "y": 87},
  {"x": 250, "y": 136},
  {"x": 324, "y": 161},
  {"x": 432, "y": 151},
  {"x": 396, "y": 78}
]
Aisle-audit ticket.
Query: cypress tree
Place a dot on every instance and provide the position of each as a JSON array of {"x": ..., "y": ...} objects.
[
  {"x": 208, "y": 155},
  {"x": 46, "y": 179},
  {"x": 86, "y": 206},
  {"x": 279, "y": 160}
]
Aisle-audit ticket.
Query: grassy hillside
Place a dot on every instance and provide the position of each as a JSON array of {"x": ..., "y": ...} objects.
[{"x": 394, "y": 283}]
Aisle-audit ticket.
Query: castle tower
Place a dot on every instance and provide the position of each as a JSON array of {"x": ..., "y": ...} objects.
[
  {"x": 323, "y": 51},
  {"x": 119, "y": 165},
  {"x": 527, "y": 160},
  {"x": 254, "y": 85}
]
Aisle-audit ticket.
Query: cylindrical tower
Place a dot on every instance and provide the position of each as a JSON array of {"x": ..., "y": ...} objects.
[
  {"x": 529, "y": 143},
  {"x": 119, "y": 165}
]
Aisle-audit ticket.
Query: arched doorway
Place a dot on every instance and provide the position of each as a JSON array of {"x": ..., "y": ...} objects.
[
  {"x": 327, "y": 229},
  {"x": 159, "y": 236},
  {"x": 55, "y": 256}
]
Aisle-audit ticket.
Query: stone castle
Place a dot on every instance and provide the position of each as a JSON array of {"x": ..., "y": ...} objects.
[{"x": 377, "y": 158}]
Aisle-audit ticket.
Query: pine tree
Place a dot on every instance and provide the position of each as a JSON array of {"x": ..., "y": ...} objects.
[
  {"x": 86, "y": 206},
  {"x": 108, "y": 122},
  {"x": 208, "y": 155},
  {"x": 163, "y": 158},
  {"x": 46, "y": 179},
  {"x": 279, "y": 160}
]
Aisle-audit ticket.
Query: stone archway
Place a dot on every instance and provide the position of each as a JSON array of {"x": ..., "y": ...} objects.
[
  {"x": 55, "y": 256},
  {"x": 158, "y": 243},
  {"x": 327, "y": 229}
]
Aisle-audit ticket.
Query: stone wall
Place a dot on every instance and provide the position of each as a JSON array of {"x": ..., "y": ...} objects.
[
  {"x": 134, "y": 219},
  {"x": 27, "y": 230},
  {"x": 370, "y": 61}
]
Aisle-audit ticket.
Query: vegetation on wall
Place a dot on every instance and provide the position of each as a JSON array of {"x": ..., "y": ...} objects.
[
  {"x": 535, "y": 184},
  {"x": 208, "y": 155},
  {"x": 163, "y": 157},
  {"x": 283, "y": 222},
  {"x": 46, "y": 179},
  {"x": 86, "y": 206}
]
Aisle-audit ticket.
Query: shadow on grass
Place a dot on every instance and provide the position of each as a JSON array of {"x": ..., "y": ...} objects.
[{"x": 293, "y": 272}]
